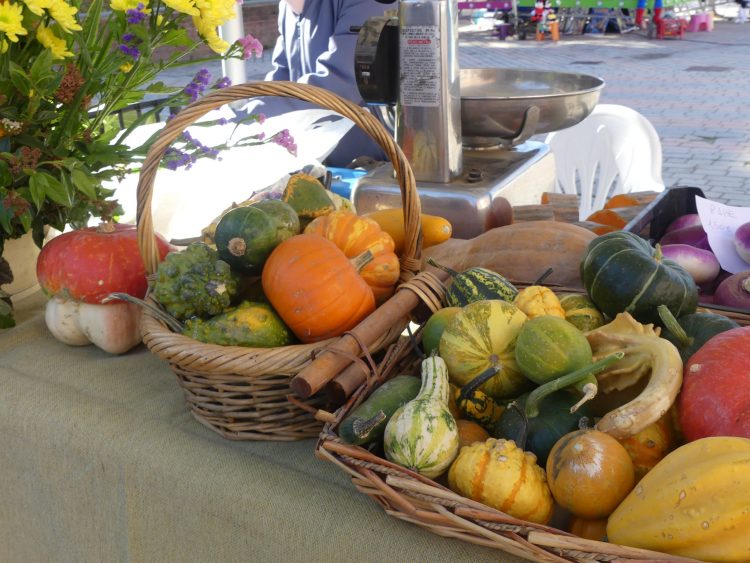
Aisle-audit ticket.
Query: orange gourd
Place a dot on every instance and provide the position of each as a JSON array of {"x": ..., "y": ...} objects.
[
  {"x": 650, "y": 445},
  {"x": 469, "y": 432},
  {"x": 589, "y": 529},
  {"x": 315, "y": 288},
  {"x": 354, "y": 235},
  {"x": 589, "y": 473}
]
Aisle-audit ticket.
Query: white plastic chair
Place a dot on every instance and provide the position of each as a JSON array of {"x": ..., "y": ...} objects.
[{"x": 615, "y": 150}]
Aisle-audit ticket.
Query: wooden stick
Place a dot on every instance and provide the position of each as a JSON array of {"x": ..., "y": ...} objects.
[
  {"x": 346, "y": 383},
  {"x": 329, "y": 363}
]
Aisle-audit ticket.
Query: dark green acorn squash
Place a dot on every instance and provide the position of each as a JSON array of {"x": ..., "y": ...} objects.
[
  {"x": 622, "y": 272},
  {"x": 690, "y": 332},
  {"x": 245, "y": 236},
  {"x": 540, "y": 433}
]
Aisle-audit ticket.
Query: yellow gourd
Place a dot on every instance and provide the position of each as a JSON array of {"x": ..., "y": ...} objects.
[
  {"x": 501, "y": 475},
  {"x": 538, "y": 301},
  {"x": 694, "y": 503},
  {"x": 434, "y": 229}
]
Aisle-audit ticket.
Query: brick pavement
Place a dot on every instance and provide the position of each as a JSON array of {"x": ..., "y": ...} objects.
[{"x": 695, "y": 92}]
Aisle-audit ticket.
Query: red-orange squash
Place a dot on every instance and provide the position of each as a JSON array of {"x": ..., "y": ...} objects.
[
  {"x": 595, "y": 529},
  {"x": 354, "y": 235},
  {"x": 469, "y": 432},
  {"x": 589, "y": 473},
  {"x": 315, "y": 288},
  {"x": 650, "y": 445}
]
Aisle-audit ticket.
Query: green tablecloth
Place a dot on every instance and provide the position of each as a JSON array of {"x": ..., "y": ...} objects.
[{"x": 100, "y": 461}]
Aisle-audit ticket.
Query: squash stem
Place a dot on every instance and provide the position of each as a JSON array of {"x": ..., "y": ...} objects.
[
  {"x": 532, "y": 403},
  {"x": 674, "y": 326},
  {"x": 588, "y": 387},
  {"x": 468, "y": 390},
  {"x": 524, "y": 436},
  {"x": 452, "y": 272},
  {"x": 362, "y": 427},
  {"x": 547, "y": 273},
  {"x": 171, "y": 322}
]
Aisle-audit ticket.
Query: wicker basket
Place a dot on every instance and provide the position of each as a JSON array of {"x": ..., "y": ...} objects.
[
  {"x": 419, "y": 500},
  {"x": 244, "y": 393}
]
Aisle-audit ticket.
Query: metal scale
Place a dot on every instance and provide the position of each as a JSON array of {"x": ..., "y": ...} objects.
[{"x": 465, "y": 132}]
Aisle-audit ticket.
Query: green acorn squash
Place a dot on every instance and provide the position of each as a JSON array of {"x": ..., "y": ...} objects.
[
  {"x": 540, "y": 433},
  {"x": 622, "y": 272},
  {"x": 481, "y": 336},
  {"x": 690, "y": 332},
  {"x": 245, "y": 236}
]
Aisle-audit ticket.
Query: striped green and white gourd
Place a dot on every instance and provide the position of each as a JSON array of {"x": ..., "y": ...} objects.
[
  {"x": 476, "y": 284},
  {"x": 422, "y": 435}
]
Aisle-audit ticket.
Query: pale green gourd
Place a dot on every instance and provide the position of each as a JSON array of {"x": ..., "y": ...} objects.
[{"x": 423, "y": 435}]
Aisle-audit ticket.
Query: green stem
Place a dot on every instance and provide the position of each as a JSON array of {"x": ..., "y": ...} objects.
[
  {"x": 362, "y": 427},
  {"x": 532, "y": 403},
  {"x": 467, "y": 390},
  {"x": 171, "y": 322},
  {"x": 452, "y": 272},
  {"x": 674, "y": 326}
]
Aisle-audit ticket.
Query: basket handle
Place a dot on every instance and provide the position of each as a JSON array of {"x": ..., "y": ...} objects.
[{"x": 409, "y": 260}]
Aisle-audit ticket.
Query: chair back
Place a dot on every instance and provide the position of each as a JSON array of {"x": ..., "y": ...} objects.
[{"x": 615, "y": 150}]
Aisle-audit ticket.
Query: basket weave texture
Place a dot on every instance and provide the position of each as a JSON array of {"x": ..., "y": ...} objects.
[
  {"x": 244, "y": 393},
  {"x": 416, "y": 499}
]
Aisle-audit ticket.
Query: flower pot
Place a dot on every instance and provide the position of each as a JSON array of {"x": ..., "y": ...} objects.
[{"x": 21, "y": 253}]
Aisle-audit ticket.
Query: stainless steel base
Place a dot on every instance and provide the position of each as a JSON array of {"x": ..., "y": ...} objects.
[{"x": 492, "y": 180}]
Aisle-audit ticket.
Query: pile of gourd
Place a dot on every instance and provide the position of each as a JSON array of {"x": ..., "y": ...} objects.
[
  {"x": 274, "y": 272},
  {"x": 538, "y": 404}
]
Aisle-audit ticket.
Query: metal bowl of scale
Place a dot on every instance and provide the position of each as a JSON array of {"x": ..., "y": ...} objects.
[{"x": 497, "y": 103}]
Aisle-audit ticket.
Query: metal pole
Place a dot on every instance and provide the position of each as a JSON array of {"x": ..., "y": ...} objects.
[{"x": 231, "y": 31}]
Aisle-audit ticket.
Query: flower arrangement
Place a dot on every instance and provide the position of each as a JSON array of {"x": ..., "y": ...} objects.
[{"x": 66, "y": 69}]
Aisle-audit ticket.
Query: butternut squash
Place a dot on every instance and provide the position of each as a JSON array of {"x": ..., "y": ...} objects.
[
  {"x": 521, "y": 252},
  {"x": 693, "y": 503}
]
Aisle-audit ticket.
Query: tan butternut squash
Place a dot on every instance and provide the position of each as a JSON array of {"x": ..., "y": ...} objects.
[
  {"x": 694, "y": 503},
  {"x": 521, "y": 252}
]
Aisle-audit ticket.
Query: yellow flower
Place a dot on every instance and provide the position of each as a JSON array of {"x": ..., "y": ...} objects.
[
  {"x": 46, "y": 37},
  {"x": 4, "y": 46},
  {"x": 208, "y": 32},
  {"x": 125, "y": 67},
  {"x": 215, "y": 12},
  {"x": 63, "y": 14},
  {"x": 37, "y": 7},
  {"x": 183, "y": 6},
  {"x": 11, "y": 20},
  {"x": 124, "y": 5}
]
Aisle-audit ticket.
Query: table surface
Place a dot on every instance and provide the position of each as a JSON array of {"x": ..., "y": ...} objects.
[{"x": 101, "y": 461}]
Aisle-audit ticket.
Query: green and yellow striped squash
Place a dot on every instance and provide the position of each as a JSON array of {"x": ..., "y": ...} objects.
[
  {"x": 422, "y": 435},
  {"x": 476, "y": 284},
  {"x": 581, "y": 312},
  {"x": 483, "y": 335}
]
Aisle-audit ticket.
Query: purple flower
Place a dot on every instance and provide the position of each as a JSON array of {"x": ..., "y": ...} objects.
[
  {"x": 198, "y": 84},
  {"x": 223, "y": 82},
  {"x": 250, "y": 46},
  {"x": 128, "y": 45},
  {"x": 130, "y": 51},
  {"x": 137, "y": 15},
  {"x": 284, "y": 139}
]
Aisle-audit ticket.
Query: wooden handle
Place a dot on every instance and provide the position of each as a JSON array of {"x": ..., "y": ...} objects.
[{"x": 427, "y": 287}]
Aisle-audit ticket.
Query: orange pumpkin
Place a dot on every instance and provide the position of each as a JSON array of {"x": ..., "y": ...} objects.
[
  {"x": 589, "y": 473},
  {"x": 589, "y": 529},
  {"x": 315, "y": 288},
  {"x": 354, "y": 235},
  {"x": 650, "y": 445},
  {"x": 469, "y": 432}
]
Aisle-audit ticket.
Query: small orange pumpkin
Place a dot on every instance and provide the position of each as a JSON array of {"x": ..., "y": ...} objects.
[
  {"x": 589, "y": 473},
  {"x": 354, "y": 235},
  {"x": 650, "y": 445},
  {"x": 469, "y": 432},
  {"x": 315, "y": 288},
  {"x": 589, "y": 529}
]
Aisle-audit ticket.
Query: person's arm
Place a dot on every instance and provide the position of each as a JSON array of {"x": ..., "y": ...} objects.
[
  {"x": 279, "y": 58},
  {"x": 334, "y": 68}
]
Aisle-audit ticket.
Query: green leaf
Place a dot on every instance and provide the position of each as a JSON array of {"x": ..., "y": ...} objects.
[
  {"x": 19, "y": 78},
  {"x": 178, "y": 38},
  {"x": 5, "y": 176},
  {"x": 161, "y": 88},
  {"x": 41, "y": 74},
  {"x": 83, "y": 182},
  {"x": 56, "y": 191},
  {"x": 5, "y": 216},
  {"x": 37, "y": 185},
  {"x": 25, "y": 219}
]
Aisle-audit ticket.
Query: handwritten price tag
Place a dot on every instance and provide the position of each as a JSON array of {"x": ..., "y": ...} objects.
[{"x": 720, "y": 222}]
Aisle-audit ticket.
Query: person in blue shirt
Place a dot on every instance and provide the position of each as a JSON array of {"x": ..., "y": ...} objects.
[{"x": 316, "y": 46}]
